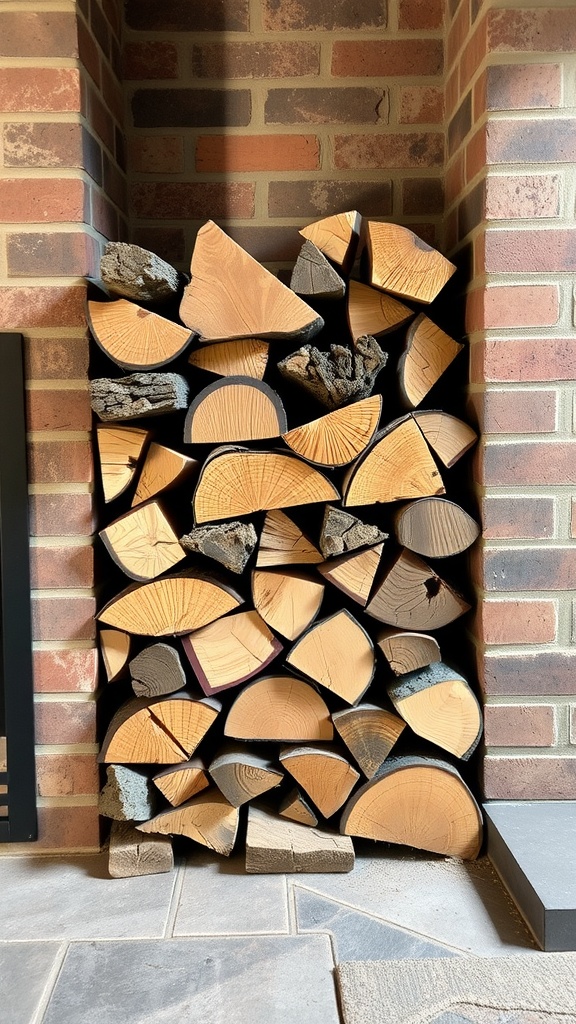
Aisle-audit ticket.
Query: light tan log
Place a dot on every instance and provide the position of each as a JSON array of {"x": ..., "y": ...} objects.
[
  {"x": 274, "y": 845},
  {"x": 131, "y": 854},
  {"x": 373, "y": 312},
  {"x": 156, "y": 671},
  {"x": 354, "y": 574},
  {"x": 234, "y": 409},
  {"x": 242, "y": 775},
  {"x": 170, "y": 606},
  {"x": 283, "y": 543},
  {"x": 208, "y": 819},
  {"x": 342, "y": 532},
  {"x": 279, "y": 708},
  {"x": 287, "y": 600},
  {"x": 435, "y": 527},
  {"x": 369, "y": 732},
  {"x": 237, "y": 482},
  {"x": 448, "y": 437},
  {"x": 245, "y": 358},
  {"x": 428, "y": 351},
  {"x": 323, "y": 774},
  {"x": 396, "y": 466},
  {"x": 232, "y": 296},
  {"x": 405, "y": 652},
  {"x": 143, "y": 543},
  {"x": 136, "y": 338},
  {"x": 151, "y": 731},
  {"x": 338, "y": 653},
  {"x": 340, "y": 436},
  {"x": 313, "y": 275},
  {"x": 438, "y": 705},
  {"x": 403, "y": 264},
  {"x": 337, "y": 237},
  {"x": 341, "y": 374},
  {"x": 119, "y": 450},
  {"x": 295, "y": 808},
  {"x": 230, "y": 651},
  {"x": 163, "y": 468},
  {"x": 413, "y": 596},
  {"x": 115, "y": 651},
  {"x": 420, "y": 802},
  {"x": 181, "y": 782},
  {"x": 138, "y": 274}
]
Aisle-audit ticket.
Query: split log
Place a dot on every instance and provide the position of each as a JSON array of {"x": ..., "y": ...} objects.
[
  {"x": 136, "y": 338},
  {"x": 397, "y": 465},
  {"x": 337, "y": 237},
  {"x": 420, "y": 802},
  {"x": 354, "y": 574},
  {"x": 228, "y": 652},
  {"x": 428, "y": 352},
  {"x": 140, "y": 394},
  {"x": 242, "y": 775},
  {"x": 342, "y": 532},
  {"x": 127, "y": 794},
  {"x": 142, "y": 542},
  {"x": 435, "y": 527},
  {"x": 238, "y": 482},
  {"x": 234, "y": 409},
  {"x": 337, "y": 653},
  {"x": 137, "y": 273},
  {"x": 232, "y": 296},
  {"x": 448, "y": 437},
  {"x": 340, "y": 436},
  {"x": 283, "y": 543},
  {"x": 413, "y": 596},
  {"x": 438, "y": 705},
  {"x": 274, "y": 845},
  {"x": 157, "y": 671},
  {"x": 170, "y": 606},
  {"x": 208, "y": 819},
  {"x": 131, "y": 854},
  {"x": 180, "y": 782},
  {"x": 151, "y": 731},
  {"x": 373, "y": 312},
  {"x": 231, "y": 544},
  {"x": 119, "y": 450},
  {"x": 295, "y": 808},
  {"x": 245, "y": 358},
  {"x": 115, "y": 651},
  {"x": 346, "y": 373},
  {"x": 288, "y": 601},
  {"x": 163, "y": 468},
  {"x": 313, "y": 275},
  {"x": 406, "y": 652},
  {"x": 279, "y": 708},
  {"x": 369, "y": 732},
  {"x": 326, "y": 776},
  {"x": 403, "y": 264}
]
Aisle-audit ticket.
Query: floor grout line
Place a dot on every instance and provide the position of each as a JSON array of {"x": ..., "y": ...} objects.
[
  {"x": 175, "y": 901},
  {"x": 50, "y": 985},
  {"x": 291, "y": 907}
]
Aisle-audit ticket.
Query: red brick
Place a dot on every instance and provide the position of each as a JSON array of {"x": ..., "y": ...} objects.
[
  {"x": 545, "y": 251},
  {"x": 71, "y": 828},
  {"x": 455, "y": 179},
  {"x": 182, "y": 16},
  {"x": 473, "y": 55},
  {"x": 70, "y": 566},
  {"x": 546, "y": 30},
  {"x": 517, "y": 412},
  {"x": 387, "y": 58},
  {"x": 66, "y": 774},
  {"x": 55, "y": 254},
  {"x": 517, "y": 518},
  {"x": 530, "y": 778},
  {"x": 49, "y": 201},
  {"x": 476, "y": 153},
  {"x": 56, "y": 359},
  {"x": 309, "y": 14},
  {"x": 156, "y": 154},
  {"x": 515, "y": 196},
  {"x": 225, "y": 61},
  {"x": 66, "y": 671},
  {"x": 42, "y": 145},
  {"x": 113, "y": 11},
  {"x": 517, "y": 622},
  {"x": 512, "y": 306},
  {"x": 39, "y": 89},
  {"x": 421, "y": 104},
  {"x": 114, "y": 183},
  {"x": 54, "y": 462},
  {"x": 367, "y": 152},
  {"x": 104, "y": 215},
  {"x": 58, "y": 410},
  {"x": 168, "y": 243},
  {"x": 112, "y": 93},
  {"x": 63, "y": 618},
  {"x": 38, "y": 34},
  {"x": 88, "y": 51},
  {"x": 268, "y": 244},
  {"x": 530, "y": 462},
  {"x": 526, "y": 361},
  {"x": 457, "y": 33},
  {"x": 222, "y": 153},
  {"x": 516, "y": 569},
  {"x": 532, "y": 141},
  {"x": 100, "y": 120},
  {"x": 420, "y": 14},
  {"x": 61, "y": 515},
  {"x": 513, "y": 725},
  {"x": 316, "y": 199},
  {"x": 460, "y": 124},
  {"x": 41, "y": 306},
  {"x": 193, "y": 200},
  {"x": 552, "y": 674},
  {"x": 326, "y": 106},
  {"x": 523, "y": 86},
  {"x": 153, "y": 58}
]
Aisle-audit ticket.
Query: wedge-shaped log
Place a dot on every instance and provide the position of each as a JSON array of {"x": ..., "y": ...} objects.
[
  {"x": 143, "y": 543},
  {"x": 435, "y": 527},
  {"x": 274, "y": 845},
  {"x": 234, "y": 409},
  {"x": 369, "y": 732},
  {"x": 448, "y": 437},
  {"x": 340, "y": 436},
  {"x": 337, "y": 237},
  {"x": 231, "y": 544},
  {"x": 413, "y": 596},
  {"x": 296, "y": 808},
  {"x": 208, "y": 819},
  {"x": 230, "y": 651},
  {"x": 232, "y": 296},
  {"x": 338, "y": 653},
  {"x": 115, "y": 651},
  {"x": 406, "y": 652},
  {"x": 245, "y": 358},
  {"x": 346, "y": 373},
  {"x": 171, "y": 606},
  {"x": 313, "y": 275},
  {"x": 150, "y": 731},
  {"x": 180, "y": 782},
  {"x": 131, "y": 854},
  {"x": 283, "y": 543},
  {"x": 163, "y": 468},
  {"x": 323, "y": 774},
  {"x": 403, "y": 264},
  {"x": 373, "y": 312},
  {"x": 428, "y": 351},
  {"x": 138, "y": 274},
  {"x": 156, "y": 671},
  {"x": 354, "y": 574},
  {"x": 140, "y": 394},
  {"x": 342, "y": 532},
  {"x": 439, "y": 705},
  {"x": 417, "y": 801},
  {"x": 136, "y": 338},
  {"x": 279, "y": 708},
  {"x": 396, "y": 466},
  {"x": 287, "y": 600},
  {"x": 242, "y": 775},
  {"x": 120, "y": 450},
  {"x": 238, "y": 482}
]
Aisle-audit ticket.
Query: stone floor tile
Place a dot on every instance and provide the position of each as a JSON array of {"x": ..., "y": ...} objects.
[
  {"x": 266, "y": 980},
  {"x": 24, "y": 973},
  {"x": 219, "y": 898}
]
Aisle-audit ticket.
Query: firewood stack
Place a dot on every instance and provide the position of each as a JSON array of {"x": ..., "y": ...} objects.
[{"x": 275, "y": 472}]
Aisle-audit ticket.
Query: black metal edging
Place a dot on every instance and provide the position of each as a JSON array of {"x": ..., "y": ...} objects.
[{"x": 15, "y": 610}]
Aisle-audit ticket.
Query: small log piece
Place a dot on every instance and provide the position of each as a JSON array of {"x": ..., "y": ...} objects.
[
  {"x": 135, "y": 338},
  {"x": 234, "y": 409},
  {"x": 323, "y": 774},
  {"x": 428, "y": 352},
  {"x": 295, "y": 808},
  {"x": 354, "y": 574},
  {"x": 127, "y": 794},
  {"x": 404, "y": 264},
  {"x": 435, "y": 528},
  {"x": 396, "y": 466},
  {"x": 142, "y": 542},
  {"x": 288, "y": 601},
  {"x": 337, "y": 237},
  {"x": 228, "y": 652},
  {"x": 131, "y": 854},
  {"x": 245, "y": 358},
  {"x": 115, "y": 651},
  {"x": 448, "y": 437},
  {"x": 140, "y": 394},
  {"x": 340, "y": 436},
  {"x": 406, "y": 652},
  {"x": 279, "y": 708},
  {"x": 207, "y": 818},
  {"x": 242, "y": 775},
  {"x": 135, "y": 273},
  {"x": 314, "y": 276},
  {"x": 369, "y": 732},
  {"x": 342, "y": 532},
  {"x": 283, "y": 543},
  {"x": 152, "y": 731},
  {"x": 346, "y": 373},
  {"x": 413, "y": 596},
  {"x": 157, "y": 671},
  {"x": 274, "y": 845},
  {"x": 337, "y": 653},
  {"x": 120, "y": 450},
  {"x": 163, "y": 468},
  {"x": 231, "y": 544},
  {"x": 180, "y": 782},
  {"x": 373, "y": 312},
  {"x": 439, "y": 705}
]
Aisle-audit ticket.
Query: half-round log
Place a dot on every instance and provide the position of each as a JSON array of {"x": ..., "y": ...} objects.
[
  {"x": 119, "y": 449},
  {"x": 230, "y": 651},
  {"x": 234, "y": 409},
  {"x": 115, "y": 651},
  {"x": 337, "y": 653},
  {"x": 244, "y": 358},
  {"x": 428, "y": 351},
  {"x": 403, "y": 264},
  {"x": 242, "y": 775},
  {"x": 413, "y": 596},
  {"x": 156, "y": 671},
  {"x": 287, "y": 600},
  {"x": 163, "y": 468},
  {"x": 369, "y": 732},
  {"x": 405, "y": 652},
  {"x": 435, "y": 527},
  {"x": 396, "y": 466},
  {"x": 181, "y": 782},
  {"x": 279, "y": 708},
  {"x": 283, "y": 543},
  {"x": 136, "y": 338},
  {"x": 208, "y": 819},
  {"x": 374, "y": 312},
  {"x": 152, "y": 731},
  {"x": 142, "y": 542},
  {"x": 338, "y": 437},
  {"x": 296, "y": 808},
  {"x": 448, "y": 437},
  {"x": 324, "y": 775},
  {"x": 438, "y": 705},
  {"x": 337, "y": 237},
  {"x": 354, "y": 574}
]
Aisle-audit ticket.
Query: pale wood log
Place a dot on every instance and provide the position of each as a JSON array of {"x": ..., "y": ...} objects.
[
  {"x": 180, "y": 782},
  {"x": 274, "y": 845},
  {"x": 115, "y": 651},
  {"x": 404, "y": 264},
  {"x": 242, "y": 775},
  {"x": 131, "y": 854},
  {"x": 231, "y": 544},
  {"x": 326, "y": 776},
  {"x": 405, "y": 652},
  {"x": 138, "y": 274},
  {"x": 232, "y": 296},
  {"x": 140, "y": 394},
  {"x": 313, "y": 275},
  {"x": 163, "y": 469},
  {"x": 152, "y": 731},
  {"x": 354, "y": 574},
  {"x": 340, "y": 436},
  {"x": 397, "y": 465},
  {"x": 337, "y": 653},
  {"x": 435, "y": 527},
  {"x": 448, "y": 437},
  {"x": 413, "y": 596},
  {"x": 157, "y": 671},
  {"x": 288, "y": 601},
  {"x": 428, "y": 352},
  {"x": 119, "y": 450},
  {"x": 420, "y": 802},
  {"x": 283, "y": 543},
  {"x": 136, "y": 338},
  {"x": 234, "y": 409},
  {"x": 296, "y": 808},
  {"x": 369, "y": 732},
  {"x": 373, "y": 312},
  {"x": 245, "y": 358},
  {"x": 127, "y": 794},
  {"x": 345, "y": 373},
  {"x": 228, "y": 652},
  {"x": 279, "y": 708},
  {"x": 207, "y": 818},
  {"x": 342, "y": 532},
  {"x": 142, "y": 542},
  {"x": 238, "y": 482},
  {"x": 439, "y": 705},
  {"x": 337, "y": 237}
]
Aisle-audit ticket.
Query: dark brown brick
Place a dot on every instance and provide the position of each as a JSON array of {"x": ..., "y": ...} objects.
[
  {"x": 115, "y": 183},
  {"x": 545, "y": 30},
  {"x": 255, "y": 60},
  {"x": 367, "y": 152},
  {"x": 551, "y": 674},
  {"x": 317, "y": 199},
  {"x": 99, "y": 26},
  {"x": 387, "y": 57},
  {"x": 543, "y": 251},
  {"x": 61, "y": 515},
  {"x": 526, "y": 462},
  {"x": 183, "y": 16},
  {"x": 56, "y": 359},
  {"x": 38, "y": 34},
  {"x": 168, "y": 243},
  {"x": 533, "y": 569},
  {"x": 423, "y": 196},
  {"x": 43, "y": 145},
  {"x": 191, "y": 108},
  {"x": 530, "y": 778},
  {"x": 268, "y": 245},
  {"x": 88, "y": 51},
  {"x": 528, "y": 141},
  {"x": 471, "y": 209},
  {"x": 420, "y": 14},
  {"x": 517, "y": 412},
  {"x": 54, "y": 254},
  {"x": 105, "y": 216},
  {"x": 154, "y": 58},
  {"x": 326, "y": 106},
  {"x": 92, "y": 156},
  {"x": 518, "y": 518},
  {"x": 281, "y": 15},
  {"x": 516, "y": 725},
  {"x": 523, "y": 86},
  {"x": 192, "y": 200},
  {"x": 460, "y": 124}
]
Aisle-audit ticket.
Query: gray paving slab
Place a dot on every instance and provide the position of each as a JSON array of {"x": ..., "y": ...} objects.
[
  {"x": 25, "y": 970},
  {"x": 256, "y": 980}
]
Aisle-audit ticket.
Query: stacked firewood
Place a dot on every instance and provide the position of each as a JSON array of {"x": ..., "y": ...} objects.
[{"x": 274, "y": 469}]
